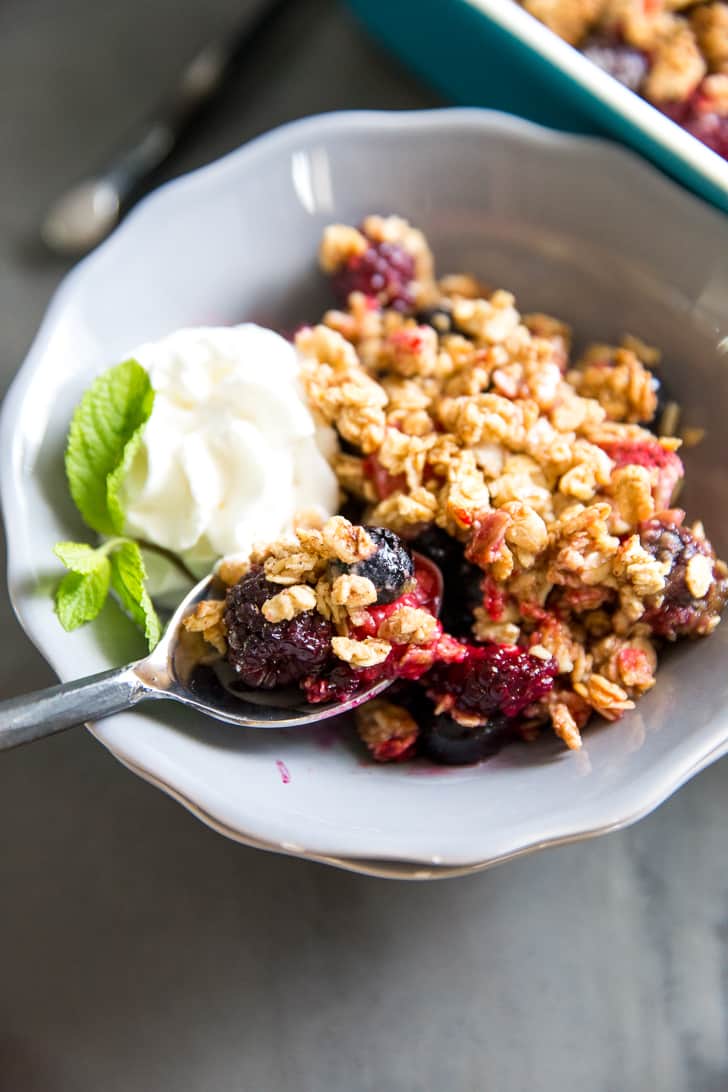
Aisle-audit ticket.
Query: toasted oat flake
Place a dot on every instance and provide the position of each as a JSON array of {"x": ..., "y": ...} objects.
[
  {"x": 565, "y": 726},
  {"x": 353, "y": 591},
  {"x": 699, "y": 575},
  {"x": 288, "y": 603},
  {"x": 409, "y": 625},
  {"x": 207, "y": 619},
  {"x": 364, "y": 653}
]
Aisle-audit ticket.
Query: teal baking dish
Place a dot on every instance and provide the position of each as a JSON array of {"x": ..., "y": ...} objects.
[{"x": 493, "y": 53}]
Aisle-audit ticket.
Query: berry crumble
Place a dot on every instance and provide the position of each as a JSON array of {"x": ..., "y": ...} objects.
[
  {"x": 538, "y": 481},
  {"x": 674, "y": 53}
]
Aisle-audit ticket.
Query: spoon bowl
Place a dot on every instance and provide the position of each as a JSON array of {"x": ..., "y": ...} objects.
[{"x": 173, "y": 672}]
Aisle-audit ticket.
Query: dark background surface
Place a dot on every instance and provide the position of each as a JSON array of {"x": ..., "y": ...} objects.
[{"x": 138, "y": 950}]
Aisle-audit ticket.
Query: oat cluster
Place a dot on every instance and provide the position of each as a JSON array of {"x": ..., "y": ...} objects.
[
  {"x": 300, "y": 564},
  {"x": 471, "y": 416},
  {"x": 686, "y": 41}
]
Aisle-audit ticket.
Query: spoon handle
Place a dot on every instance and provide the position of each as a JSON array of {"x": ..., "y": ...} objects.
[
  {"x": 33, "y": 716},
  {"x": 198, "y": 83}
]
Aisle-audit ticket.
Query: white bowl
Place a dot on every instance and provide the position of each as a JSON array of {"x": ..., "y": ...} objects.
[{"x": 574, "y": 226}]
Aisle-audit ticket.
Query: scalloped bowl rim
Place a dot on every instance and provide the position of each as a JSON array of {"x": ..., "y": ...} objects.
[{"x": 606, "y": 817}]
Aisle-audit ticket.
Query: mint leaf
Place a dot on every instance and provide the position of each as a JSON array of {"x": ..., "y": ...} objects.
[
  {"x": 115, "y": 479},
  {"x": 106, "y": 424},
  {"x": 128, "y": 577},
  {"x": 82, "y": 592},
  {"x": 78, "y": 557}
]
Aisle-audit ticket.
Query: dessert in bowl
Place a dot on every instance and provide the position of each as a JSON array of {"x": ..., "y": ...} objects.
[{"x": 602, "y": 274}]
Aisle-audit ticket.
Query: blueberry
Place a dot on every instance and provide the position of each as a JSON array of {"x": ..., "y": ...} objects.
[
  {"x": 390, "y": 569},
  {"x": 462, "y": 580},
  {"x": 451, "y": 744}
]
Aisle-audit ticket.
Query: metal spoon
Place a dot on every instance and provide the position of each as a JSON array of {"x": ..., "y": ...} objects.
[
  {"x": 86, "y": 213},
  {"x": 169, "y": 673}
]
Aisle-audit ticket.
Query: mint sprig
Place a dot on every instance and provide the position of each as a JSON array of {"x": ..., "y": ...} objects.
[{"x": 104, "y": 436}]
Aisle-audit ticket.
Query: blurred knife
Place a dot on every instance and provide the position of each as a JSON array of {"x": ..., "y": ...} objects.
[{"x": 85, "y": 214}]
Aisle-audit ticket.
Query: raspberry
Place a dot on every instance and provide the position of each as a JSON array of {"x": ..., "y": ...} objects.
[
  {"x": 384, "y": 483},
  {"x": 621, "y": 61},
  {"x": 651, "y": 454},
  {"x": 269, "y": 654},
  {"x": 492, "y": 679},
  {"x": 677, "y": 613},
  {"x": 384, "y": 272}
]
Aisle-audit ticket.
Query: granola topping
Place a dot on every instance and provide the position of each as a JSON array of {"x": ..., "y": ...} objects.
[{"x": 535, "y": 483}]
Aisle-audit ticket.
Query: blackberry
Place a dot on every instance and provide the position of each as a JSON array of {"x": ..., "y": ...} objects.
[
  {"x": 391, "y": 569},
  {"x": 384, "y": 272},
  {"x": 619, "y": 60},
  {"x": 677, "y": 613},
  {"x": 269, "y": 654},
  {"x": 493, "y": 679}
]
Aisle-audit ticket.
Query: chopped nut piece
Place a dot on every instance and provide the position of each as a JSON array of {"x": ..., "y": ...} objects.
[
  {"x": 570, "y": 19},
  {"x": 232, "y": 569},
  {"x": 644, "y": 572}
]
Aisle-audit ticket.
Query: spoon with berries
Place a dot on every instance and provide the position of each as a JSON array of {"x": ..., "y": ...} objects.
[{"x": 306, "y": 628}]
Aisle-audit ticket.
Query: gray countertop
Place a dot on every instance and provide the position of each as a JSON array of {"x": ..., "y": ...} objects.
[{"x": 138, "y": 950}]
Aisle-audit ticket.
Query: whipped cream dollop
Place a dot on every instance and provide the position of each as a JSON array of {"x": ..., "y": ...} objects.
[{"x": 231, "y": 451}]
